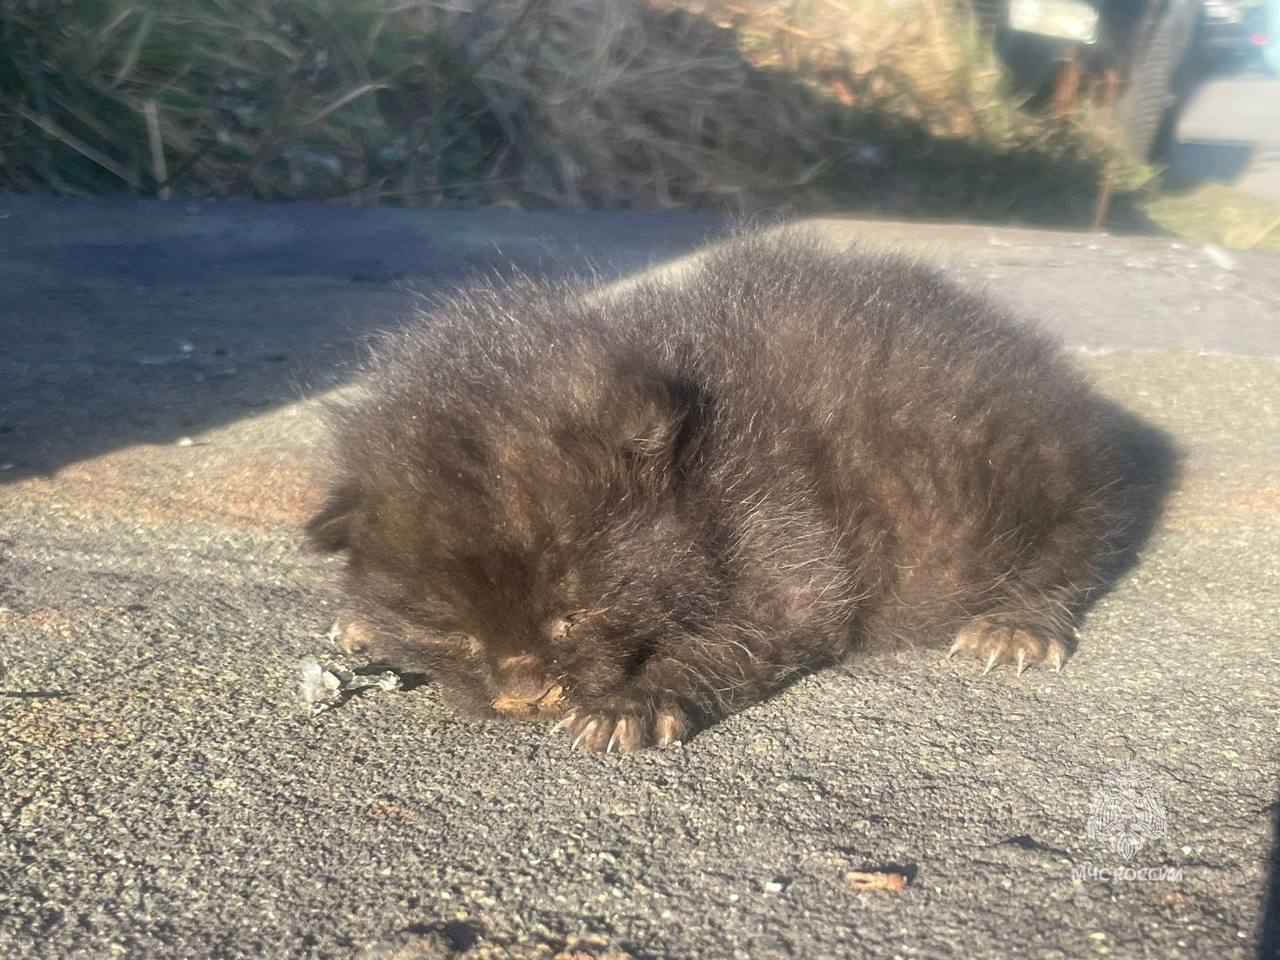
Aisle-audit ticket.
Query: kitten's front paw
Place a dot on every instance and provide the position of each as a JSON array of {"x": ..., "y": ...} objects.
[
  {"x": 1000, "y": 640},
  {"x": 623, "y": 731}
]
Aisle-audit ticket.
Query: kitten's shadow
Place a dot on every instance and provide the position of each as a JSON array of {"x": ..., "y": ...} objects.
[
  {"x": 1149, "y": 464},
  {"x": 409, "y": 679}
]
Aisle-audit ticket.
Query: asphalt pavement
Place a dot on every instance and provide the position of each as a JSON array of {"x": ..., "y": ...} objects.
[
  {"x": 1229, "y": 132},
  {"x": 163, "y": 792}
]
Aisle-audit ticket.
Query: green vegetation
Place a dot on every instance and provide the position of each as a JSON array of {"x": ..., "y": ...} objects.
[{"x": 876, "y": 105}]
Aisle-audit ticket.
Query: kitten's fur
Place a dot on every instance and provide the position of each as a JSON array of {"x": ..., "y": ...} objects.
[{"x": 640, "y": 510}]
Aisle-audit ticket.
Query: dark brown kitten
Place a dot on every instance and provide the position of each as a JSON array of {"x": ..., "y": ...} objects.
[{"x": 639, "y": 510}]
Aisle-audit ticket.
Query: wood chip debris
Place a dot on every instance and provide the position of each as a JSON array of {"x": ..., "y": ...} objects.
[{"x": 875, "y": 880}]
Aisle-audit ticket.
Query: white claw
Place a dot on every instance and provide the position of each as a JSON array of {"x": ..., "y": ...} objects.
[
  {"x": 562, "y": 723},
  {"x": 591, "y": 725},
  {"x": 1057, "y": 661},
  {"x": 1022, "y": 661},
  {"x": 613, "y": 737},
  {"x": 991, "y": 664},
  {"x": 955, "y": 648}
]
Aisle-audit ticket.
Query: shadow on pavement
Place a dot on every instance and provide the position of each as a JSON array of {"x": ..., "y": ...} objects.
[
  {"x": 1196, "y": 162},
  {"x": 143, "y": 322},
  {"x": 1149, "y": 464},
  {"x": 1269, "y": 944}
]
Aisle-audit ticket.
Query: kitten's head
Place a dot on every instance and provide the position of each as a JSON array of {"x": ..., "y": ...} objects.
[{"x": 529, "y": 553}]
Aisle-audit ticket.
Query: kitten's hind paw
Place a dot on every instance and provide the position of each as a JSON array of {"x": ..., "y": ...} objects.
[
  {"x": 1000, "y": 640},
  {"x": 624, "y": 731}
]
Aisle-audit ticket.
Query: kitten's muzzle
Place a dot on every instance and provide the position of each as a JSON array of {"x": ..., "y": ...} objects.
[
  {"x": 521, "y": 692},
  {"x": 523, "y": 703}
]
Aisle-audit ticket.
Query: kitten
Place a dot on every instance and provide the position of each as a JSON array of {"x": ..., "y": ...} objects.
[{"x": 637, "y": 510}]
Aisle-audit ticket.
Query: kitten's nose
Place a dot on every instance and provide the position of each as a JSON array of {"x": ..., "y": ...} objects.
[
  {"x": 525, "y": 699},
  {"x": 522, "y": 687}
]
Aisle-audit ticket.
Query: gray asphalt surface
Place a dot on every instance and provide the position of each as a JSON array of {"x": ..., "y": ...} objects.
[
  {"x": 163, "y": 794},
  {"x": 1229, "y": 132}
]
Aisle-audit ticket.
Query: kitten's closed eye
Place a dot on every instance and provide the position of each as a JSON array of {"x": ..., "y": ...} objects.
[{"x": 560, "y": 627}]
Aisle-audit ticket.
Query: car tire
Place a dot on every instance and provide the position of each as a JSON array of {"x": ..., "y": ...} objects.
[{"x": 1149, "y": 92}]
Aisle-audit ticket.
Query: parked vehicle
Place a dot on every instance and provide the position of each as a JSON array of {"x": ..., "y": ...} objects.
[
  {"x": 1234, "y": 33},
  {"x": 1133, "y": 50}
]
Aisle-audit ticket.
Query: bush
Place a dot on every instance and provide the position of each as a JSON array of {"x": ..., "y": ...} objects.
[{"x": 891, "y": 105}]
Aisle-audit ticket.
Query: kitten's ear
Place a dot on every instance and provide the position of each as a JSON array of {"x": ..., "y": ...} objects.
[
  {"x": 660, "y": 418},
  {"x": 330, "y": 529}
]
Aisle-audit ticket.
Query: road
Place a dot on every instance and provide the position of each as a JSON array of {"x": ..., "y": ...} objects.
[
  {"x": 1229, "y": 132},
  {"x": 163, "y": 794}
]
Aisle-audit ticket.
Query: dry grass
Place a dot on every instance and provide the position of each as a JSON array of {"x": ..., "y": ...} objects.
[
  {"x": 1217, "y": 213},
  {"x": 891, "y": 105}
]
